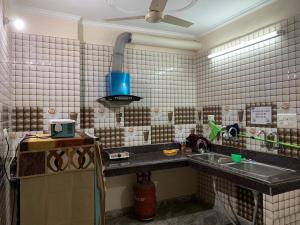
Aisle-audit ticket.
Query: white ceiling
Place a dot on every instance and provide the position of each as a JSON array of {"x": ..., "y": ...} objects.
[{"x": 205, "y": 14}]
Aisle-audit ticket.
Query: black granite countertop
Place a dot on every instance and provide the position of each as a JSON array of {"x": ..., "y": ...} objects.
[
  {"x": 151, "y": 158},
  {"x": 147, "y": 160}
]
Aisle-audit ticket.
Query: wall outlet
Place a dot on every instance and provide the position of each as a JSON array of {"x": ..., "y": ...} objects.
[
  {"x": 287, "y": 120},
  {"x": 211, "y": 117}
]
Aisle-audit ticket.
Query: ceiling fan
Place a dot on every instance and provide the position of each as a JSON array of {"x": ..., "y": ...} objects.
[{"x": 155, "y": 15}]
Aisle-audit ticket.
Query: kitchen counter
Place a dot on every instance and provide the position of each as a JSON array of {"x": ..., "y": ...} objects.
[
  {"x": 151, "y": 158},
  {"x": 149, "y": 161}
]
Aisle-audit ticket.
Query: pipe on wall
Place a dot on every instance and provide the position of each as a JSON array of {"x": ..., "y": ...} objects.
[
  {"x": 156, "y": 41},
  {"x": 118, "y": 54},
  {"x": 141, "y": 39}
]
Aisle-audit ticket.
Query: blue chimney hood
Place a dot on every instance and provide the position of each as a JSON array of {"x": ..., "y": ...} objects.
[{"x": 118, "y": 91}]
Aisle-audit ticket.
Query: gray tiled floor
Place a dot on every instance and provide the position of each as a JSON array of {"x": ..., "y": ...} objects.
[{"x": 173, "y": 213}]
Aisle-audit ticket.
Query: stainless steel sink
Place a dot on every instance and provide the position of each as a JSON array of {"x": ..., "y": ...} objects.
[
  {"x": 249, "y": 167},
  {"x": 259, "y": 169},
  {"x": 212, "y": 158}
]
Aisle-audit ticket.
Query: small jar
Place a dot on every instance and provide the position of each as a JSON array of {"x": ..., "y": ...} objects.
[{"x": 183, "y": 148}]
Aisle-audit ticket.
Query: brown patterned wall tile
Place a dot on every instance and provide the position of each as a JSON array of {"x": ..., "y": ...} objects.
[
  {"x": 274, "y": 115},
  {"x": 27, "y": 119},
  {"x": 238, "y": 143},
  {"x": 245, "y": 202},
  {"x": 110, "y": 137},
  {"x": 5, "y": 116},
  {"x": 162, "y": 134},
  {"x": 205, "y": 187},
  {"x": 290, "y": 136},
  {"x": 226, "y": 190},
  {"x": 184, "y": 115},
  {"x": 31, "y": 163},
  {"x": 212, "y": 110},
  {"x": 137, "y": 116},
  {"x": 245, "y": 205},
  {"x": 199, "y": 115},
  {"x": 226, "y": 187},
  {"x": 86, "y": 117},
  {"x": 199, "y": 129}
]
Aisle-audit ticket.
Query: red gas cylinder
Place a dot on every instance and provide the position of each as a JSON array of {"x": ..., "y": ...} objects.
[{"x": 144, "y": 197}]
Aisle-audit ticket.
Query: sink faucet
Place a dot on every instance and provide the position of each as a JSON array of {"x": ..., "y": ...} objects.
[{"x": 265, "y": 138}]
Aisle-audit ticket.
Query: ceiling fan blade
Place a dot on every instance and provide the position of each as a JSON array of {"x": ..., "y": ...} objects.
[
  {"x": 125, "y": 18},
  {"x": 158, "y": 5},
  {"x": 176, "y": 21}
]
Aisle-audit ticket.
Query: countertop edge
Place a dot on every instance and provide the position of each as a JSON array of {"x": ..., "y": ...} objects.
[
  {"x": 167, "y": 164},
  {"x": 247, "y": 182}
]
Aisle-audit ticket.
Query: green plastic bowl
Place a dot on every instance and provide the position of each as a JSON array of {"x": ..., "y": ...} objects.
[{"x": 236, "y": 158}]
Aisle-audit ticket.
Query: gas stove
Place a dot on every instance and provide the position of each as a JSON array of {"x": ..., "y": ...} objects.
[{"x": 117, "y": 154}]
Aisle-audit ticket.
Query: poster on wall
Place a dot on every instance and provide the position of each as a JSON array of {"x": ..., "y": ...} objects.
[{"x": 261, "y": 115}]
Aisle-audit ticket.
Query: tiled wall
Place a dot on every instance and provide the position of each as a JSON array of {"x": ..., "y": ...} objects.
[
  {"x": 165, "y": 81},
  {"x": 46, "y": 80},
  {"x": 264, "y": 74},
  {"x": 5, "y": 107},
  {"x": 5, "y": 84},
  {"x": 53, "y": 77}
]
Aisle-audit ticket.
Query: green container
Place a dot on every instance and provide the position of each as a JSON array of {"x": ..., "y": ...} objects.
[
  {"x": 62, "y": 128},
  {"x": 236, "y": 158}
]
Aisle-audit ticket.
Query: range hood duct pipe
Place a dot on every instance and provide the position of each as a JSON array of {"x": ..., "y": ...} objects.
[
  {"x": 118, "y": 54},
  {"x": 150, "y": 40}
]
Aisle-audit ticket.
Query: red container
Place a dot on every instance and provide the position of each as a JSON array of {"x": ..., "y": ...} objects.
[{"x": 144, "y": 197}]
